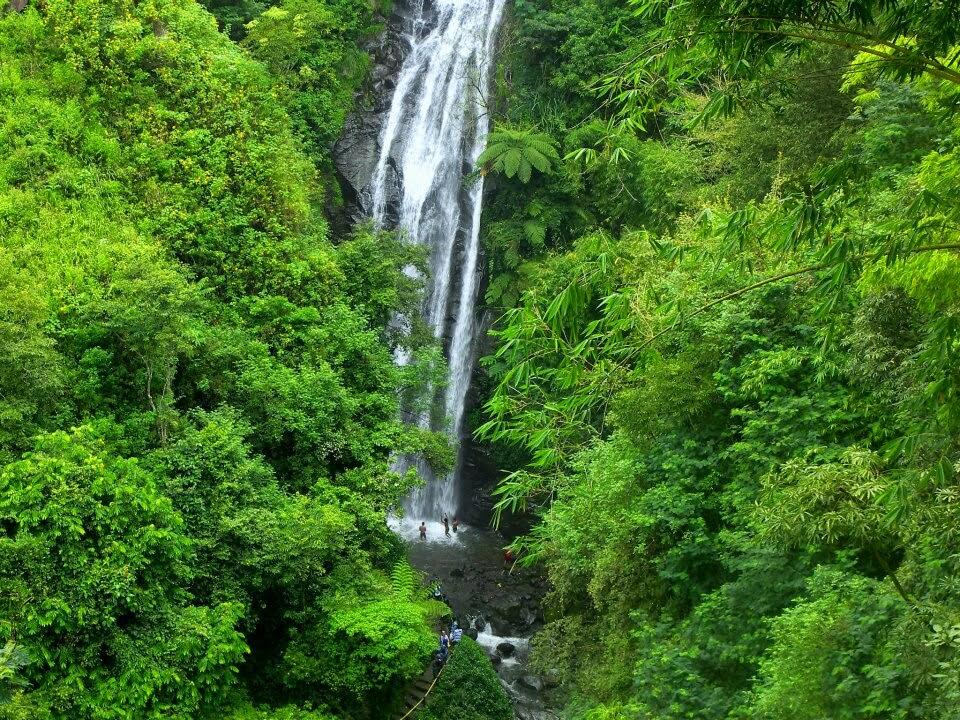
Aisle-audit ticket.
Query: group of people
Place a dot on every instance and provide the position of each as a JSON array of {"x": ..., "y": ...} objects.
[
  {"x": 446, "y": 526},
  {"x": 448, "y": 640}
]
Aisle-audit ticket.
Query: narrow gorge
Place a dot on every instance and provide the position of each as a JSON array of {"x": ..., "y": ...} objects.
[{"x": 408, "y": 162}]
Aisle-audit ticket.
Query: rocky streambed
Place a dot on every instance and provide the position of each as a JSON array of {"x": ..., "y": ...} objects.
[{"x": 500, "y": 604}]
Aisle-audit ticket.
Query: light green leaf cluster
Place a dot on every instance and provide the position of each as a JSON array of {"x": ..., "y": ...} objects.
[{"x": 517, "y": 152}]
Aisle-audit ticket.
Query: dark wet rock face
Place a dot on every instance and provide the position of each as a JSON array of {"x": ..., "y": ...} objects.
[
  {"x": 532, "y": 682},
  {"x": 355, "y": 157},
  {"x": 355, "y": 154},
  {"x": 529, "y": 617},
  {"x": 505, "y": 649}
]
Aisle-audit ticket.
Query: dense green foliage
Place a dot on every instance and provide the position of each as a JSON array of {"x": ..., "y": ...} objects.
[
  {"x": 468, "y": 688},
  {"x": 312, "y": 49},
  {"x": 726, "y": 380},
  {"x": 197, "y": 392},
  {"x": 724, "y": 250}
]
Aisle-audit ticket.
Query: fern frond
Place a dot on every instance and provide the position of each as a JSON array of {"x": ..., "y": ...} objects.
[
  {"x": 404, "y": 580},
  {"x": 536, "y": 232},
  {"x": 510, "y": 161},
  {"x": 525, "y": 171},
  {"x": 433, "y": 609},
  {"x": 540, "y": 161}
]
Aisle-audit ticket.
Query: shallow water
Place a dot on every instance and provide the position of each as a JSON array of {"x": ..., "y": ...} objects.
[{"x": 409, "y": 529}]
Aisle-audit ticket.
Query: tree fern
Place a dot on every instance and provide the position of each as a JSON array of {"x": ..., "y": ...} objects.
[
  {"x": 407, "y": 589},
  {"x": 517, "y": 152},
  {"x": 404, "y": 580}
]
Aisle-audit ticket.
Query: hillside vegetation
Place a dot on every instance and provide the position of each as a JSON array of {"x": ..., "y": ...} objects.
[
  {"x": 727, "y": 377},
  {"x": 722, "y": 244},
  {"x": 197, "y": 391}
]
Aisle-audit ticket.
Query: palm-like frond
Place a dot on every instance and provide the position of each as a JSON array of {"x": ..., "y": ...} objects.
[
  {"x": 536, "y": 158},
  {"x": 407, "y": 588},
  {"x": 536, "y": 232},
  {"x": 404, "y": 581},
  {"x": 517, "y": 152},
  {"x": 13, "y": 659},
  {"x": 510, "y": 162}
]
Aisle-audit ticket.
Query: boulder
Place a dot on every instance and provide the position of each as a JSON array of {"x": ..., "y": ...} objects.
[
  {"x": 505, "y": 649},
  {"x": 552, "y": 678},
  {"x": 532, "y": 682}
]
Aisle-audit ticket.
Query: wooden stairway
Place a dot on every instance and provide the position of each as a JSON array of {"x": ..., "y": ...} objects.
[{"x": 418, "y": 692}]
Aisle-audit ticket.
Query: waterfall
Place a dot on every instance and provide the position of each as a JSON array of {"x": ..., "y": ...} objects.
[{"x": 434, "y": 132}]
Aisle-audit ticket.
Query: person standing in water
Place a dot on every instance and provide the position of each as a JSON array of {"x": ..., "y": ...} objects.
[
  {"x": 456, "y": 524},
  {"x": 423, "y": 530},
  {"x": 446, "y": 525}
]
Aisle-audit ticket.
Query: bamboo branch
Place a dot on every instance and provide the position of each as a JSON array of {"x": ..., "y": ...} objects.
[
  {"x": 777, "y": 278},
  {"x": 894, "y": 579},
  {"x": 921, "y": 63}
]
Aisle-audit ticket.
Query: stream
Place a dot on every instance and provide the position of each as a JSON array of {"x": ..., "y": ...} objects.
[{"x": 501, "y": 603}]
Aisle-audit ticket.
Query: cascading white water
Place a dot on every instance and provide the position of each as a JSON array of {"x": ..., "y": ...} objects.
[{"x": 435, "y": 131}]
